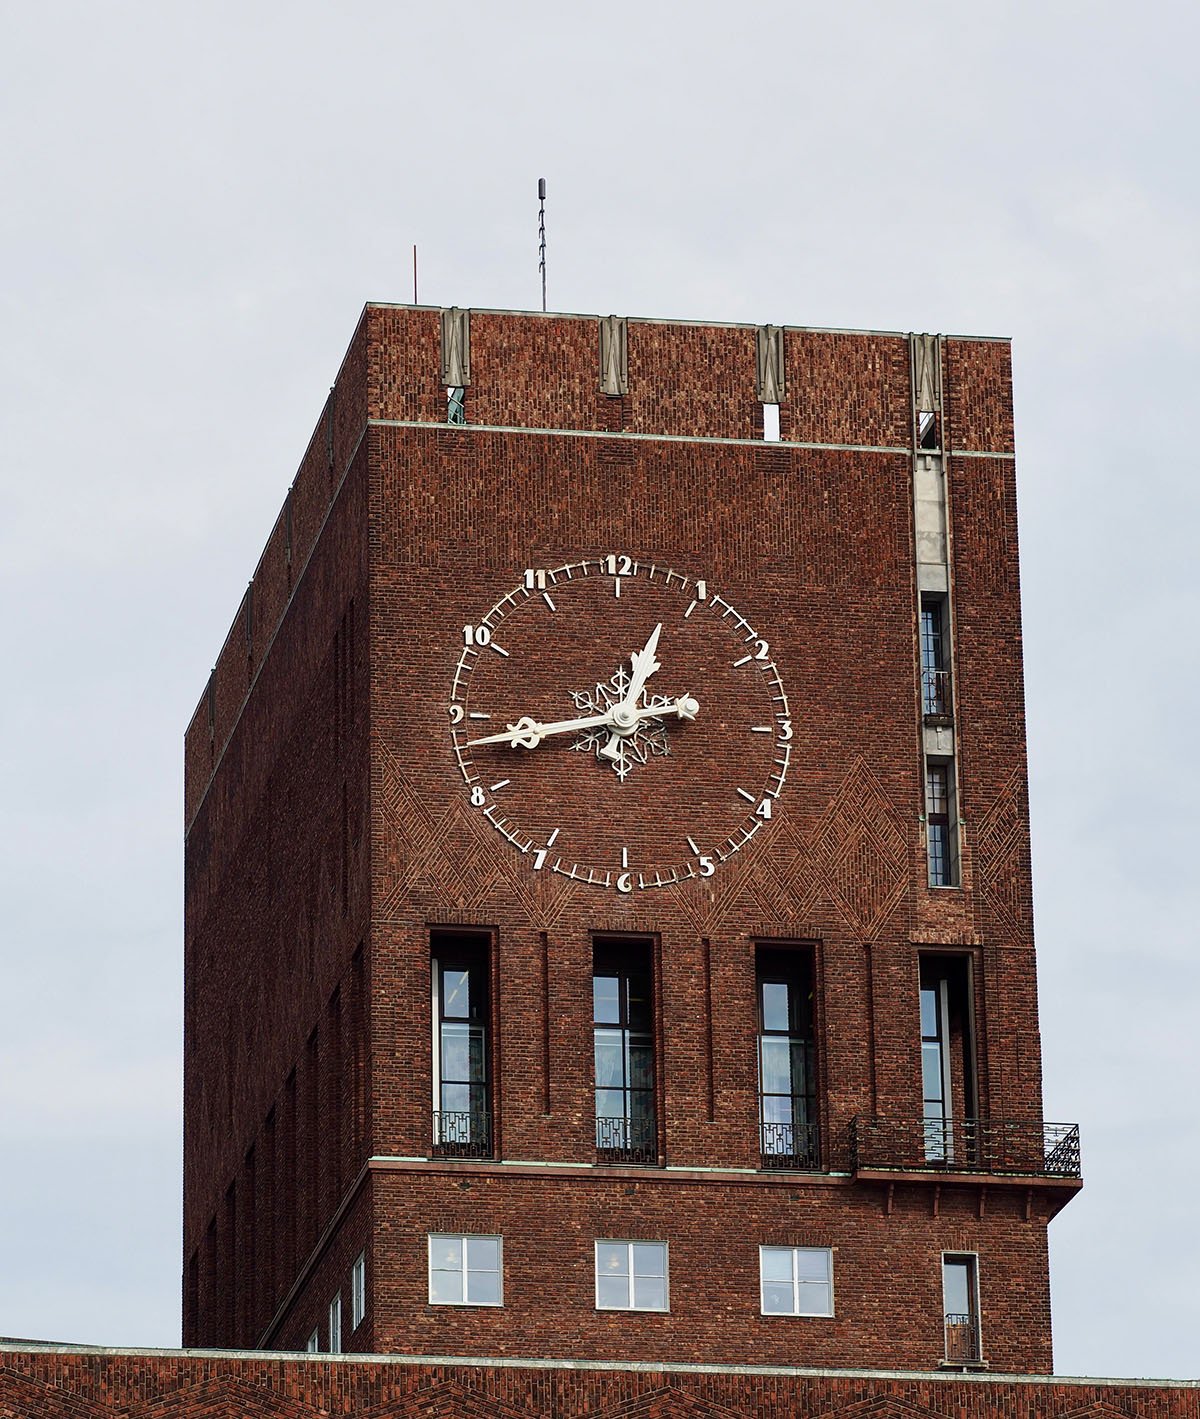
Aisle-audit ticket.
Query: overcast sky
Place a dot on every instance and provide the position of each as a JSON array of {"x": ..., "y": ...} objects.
[{"x": 195, "y": 202}]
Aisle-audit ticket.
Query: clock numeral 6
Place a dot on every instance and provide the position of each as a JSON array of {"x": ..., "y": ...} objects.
[
  {"x": 625, "y": 882},
  {"x": 535, "y": 579},
  {"x": 618, "y": 566},
  {"x": 763, "y": 810},
  {"x": 477, "y": 797},
  {"x": 457, "y": 714},
  {"x": 706, "y": 865},
  {"x": 477, "y": 635}
]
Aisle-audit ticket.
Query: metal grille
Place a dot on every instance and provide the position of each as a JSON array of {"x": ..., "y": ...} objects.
[
  {"x": 627, "y": 1140},
  {"x": 935, "y": 693},
  {"x": 967, "y": 1146},
  {"x": 462, "y": 1135},
  {"x": 790, "y": 1145},
  {"x": 962, "y": 1338}
]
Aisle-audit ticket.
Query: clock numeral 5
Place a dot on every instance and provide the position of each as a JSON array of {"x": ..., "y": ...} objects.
[{"x": 706, "y": 865}]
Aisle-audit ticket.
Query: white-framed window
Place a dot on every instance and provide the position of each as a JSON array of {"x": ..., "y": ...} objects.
[
  {"x": 796, "y": 1281},
  {"x": 335, "y": 1324},
  {"x": 465, "y": 1271},
  {"x": 358, "y": 1290},
  {"x": 631, "y": 1276},
  {"x": 314, "y": 1342}
]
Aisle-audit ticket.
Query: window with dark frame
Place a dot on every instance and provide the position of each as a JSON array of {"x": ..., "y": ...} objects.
[
  {"x": 960, "y": 1301},
  {"x": 939, "y": 824},
  {"x": 947, "y": 1060},
  {"x": 623, "y": 1044},
  {"x": 935, "y": 660},
  {"x": 789, "y": 1133},
  {"x": 462, "y": 1115}
]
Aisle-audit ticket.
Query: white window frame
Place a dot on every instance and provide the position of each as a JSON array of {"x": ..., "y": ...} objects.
[
  {"x": 313, "y": 1344},
  {"x": 335, "y": 1325},
  {"x": 464, "y": 1238},
  {"x": 358, "y": 1290},
  {"x": 798, "y": 1286},
  {"x": 629, "y": 1245}
]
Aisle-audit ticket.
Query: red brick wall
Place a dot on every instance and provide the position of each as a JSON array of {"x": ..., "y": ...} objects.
[
  {"x": 61, "y": 1384},
  {"x": 430, "y": 527}
]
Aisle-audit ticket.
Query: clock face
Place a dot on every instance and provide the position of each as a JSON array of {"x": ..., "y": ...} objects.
[{"x": 620, "y": 723}]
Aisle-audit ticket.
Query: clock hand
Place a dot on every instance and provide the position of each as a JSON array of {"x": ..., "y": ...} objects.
[
  {"x": 527, "y": 733},
  {"x": 644, "y": 665}
]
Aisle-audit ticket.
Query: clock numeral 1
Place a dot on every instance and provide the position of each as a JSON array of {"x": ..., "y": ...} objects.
[
  {"x": 702, "y": 591},
  {"x": 477, "y": 635}
]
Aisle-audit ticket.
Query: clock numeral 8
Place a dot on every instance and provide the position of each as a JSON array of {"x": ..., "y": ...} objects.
[{"x": 477, "y": 797}]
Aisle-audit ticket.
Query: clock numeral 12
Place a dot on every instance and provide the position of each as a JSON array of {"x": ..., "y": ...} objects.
[{"x": 618, "y": 566}]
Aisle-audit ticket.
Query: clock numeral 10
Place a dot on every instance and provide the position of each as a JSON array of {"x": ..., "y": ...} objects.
[
  {"x": 477, "y": 635},
  {"x": 618, "y": 566},
  {"x": 535, "y": 579}
]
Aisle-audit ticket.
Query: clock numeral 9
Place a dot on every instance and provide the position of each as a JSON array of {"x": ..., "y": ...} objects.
[
  {"x": 618, "y": 566},
  {"x": 477, "y": 635},
  {"x": 535, "y": 579},
  {"x": 457, "y": 714},
  {"x": 763, "y": 810},
  {"x": 477, "y": 797}
]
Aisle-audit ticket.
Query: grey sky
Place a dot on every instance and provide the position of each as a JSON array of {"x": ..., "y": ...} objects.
[{"x": 198, "y": 199}]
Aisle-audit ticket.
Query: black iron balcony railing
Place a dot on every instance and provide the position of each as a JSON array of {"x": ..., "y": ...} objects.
[
  {"x": 974, "y": 1145},
  {"x": 627, "y": 1140},
  {"x": 790, "y": 1146},
  {"x": 462, "y": 1135},
  {"x": 935, "y": 694},
  {"x": 962, "y": 1340}
]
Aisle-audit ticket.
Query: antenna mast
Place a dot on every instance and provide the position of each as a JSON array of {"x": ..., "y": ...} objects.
[{"x": 542, "y": 236}]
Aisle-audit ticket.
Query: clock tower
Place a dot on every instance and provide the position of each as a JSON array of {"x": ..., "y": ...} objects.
[{"x": 608, "y": 912}]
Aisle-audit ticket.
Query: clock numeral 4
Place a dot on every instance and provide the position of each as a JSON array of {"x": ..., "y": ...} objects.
[
  {"x": 477, "y": 635},
  {"x": 763, "y": 810}
]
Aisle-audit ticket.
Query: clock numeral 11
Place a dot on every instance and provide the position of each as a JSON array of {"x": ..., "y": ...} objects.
[{"x": 535, "y": 579}]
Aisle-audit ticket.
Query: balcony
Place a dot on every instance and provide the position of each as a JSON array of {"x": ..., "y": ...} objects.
[
  {"x": 936, "y": 702},
  {"x": 462, "y": 1135},
  {"x": 962, "y": 1340},
  {"x": 992, "y": 1147},
  {"x": 790, "y": 1146},
  {"x": 626, "y": 1140}
]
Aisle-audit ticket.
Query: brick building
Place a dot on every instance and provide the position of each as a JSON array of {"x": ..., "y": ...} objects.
[{"x": 608, "y": 914}]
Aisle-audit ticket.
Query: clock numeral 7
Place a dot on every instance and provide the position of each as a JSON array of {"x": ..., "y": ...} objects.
[
  {"x": 539, "y": 859},
  {"x": 477, "y": 635},
  {"x": 618, "y": 566}
]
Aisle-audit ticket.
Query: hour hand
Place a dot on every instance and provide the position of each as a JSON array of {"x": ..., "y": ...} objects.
[{"x": 527, "y": 733}]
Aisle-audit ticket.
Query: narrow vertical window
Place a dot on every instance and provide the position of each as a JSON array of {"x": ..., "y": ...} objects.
[
  {"x": 770, "y": 423},
  {"x": 960, "y": 1299},
  {"x": 456, "y": 404},
  {"x": 461, "y": 1019},
  {"x": 335, "y": 1324},
  {"x": 789, "y": 1134},
  {"x": 935, "y": 660},
  {"x": 358, "y": 1290},
  {"x": 313, "y": 1344},
  {"x": 623, "y": 1042},
  {"x": 947, "y": 1060},
  {"x": 939, "y": 823}
]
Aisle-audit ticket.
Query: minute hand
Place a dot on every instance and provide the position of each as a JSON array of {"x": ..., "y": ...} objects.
[{"x": 528, "y": 733}]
